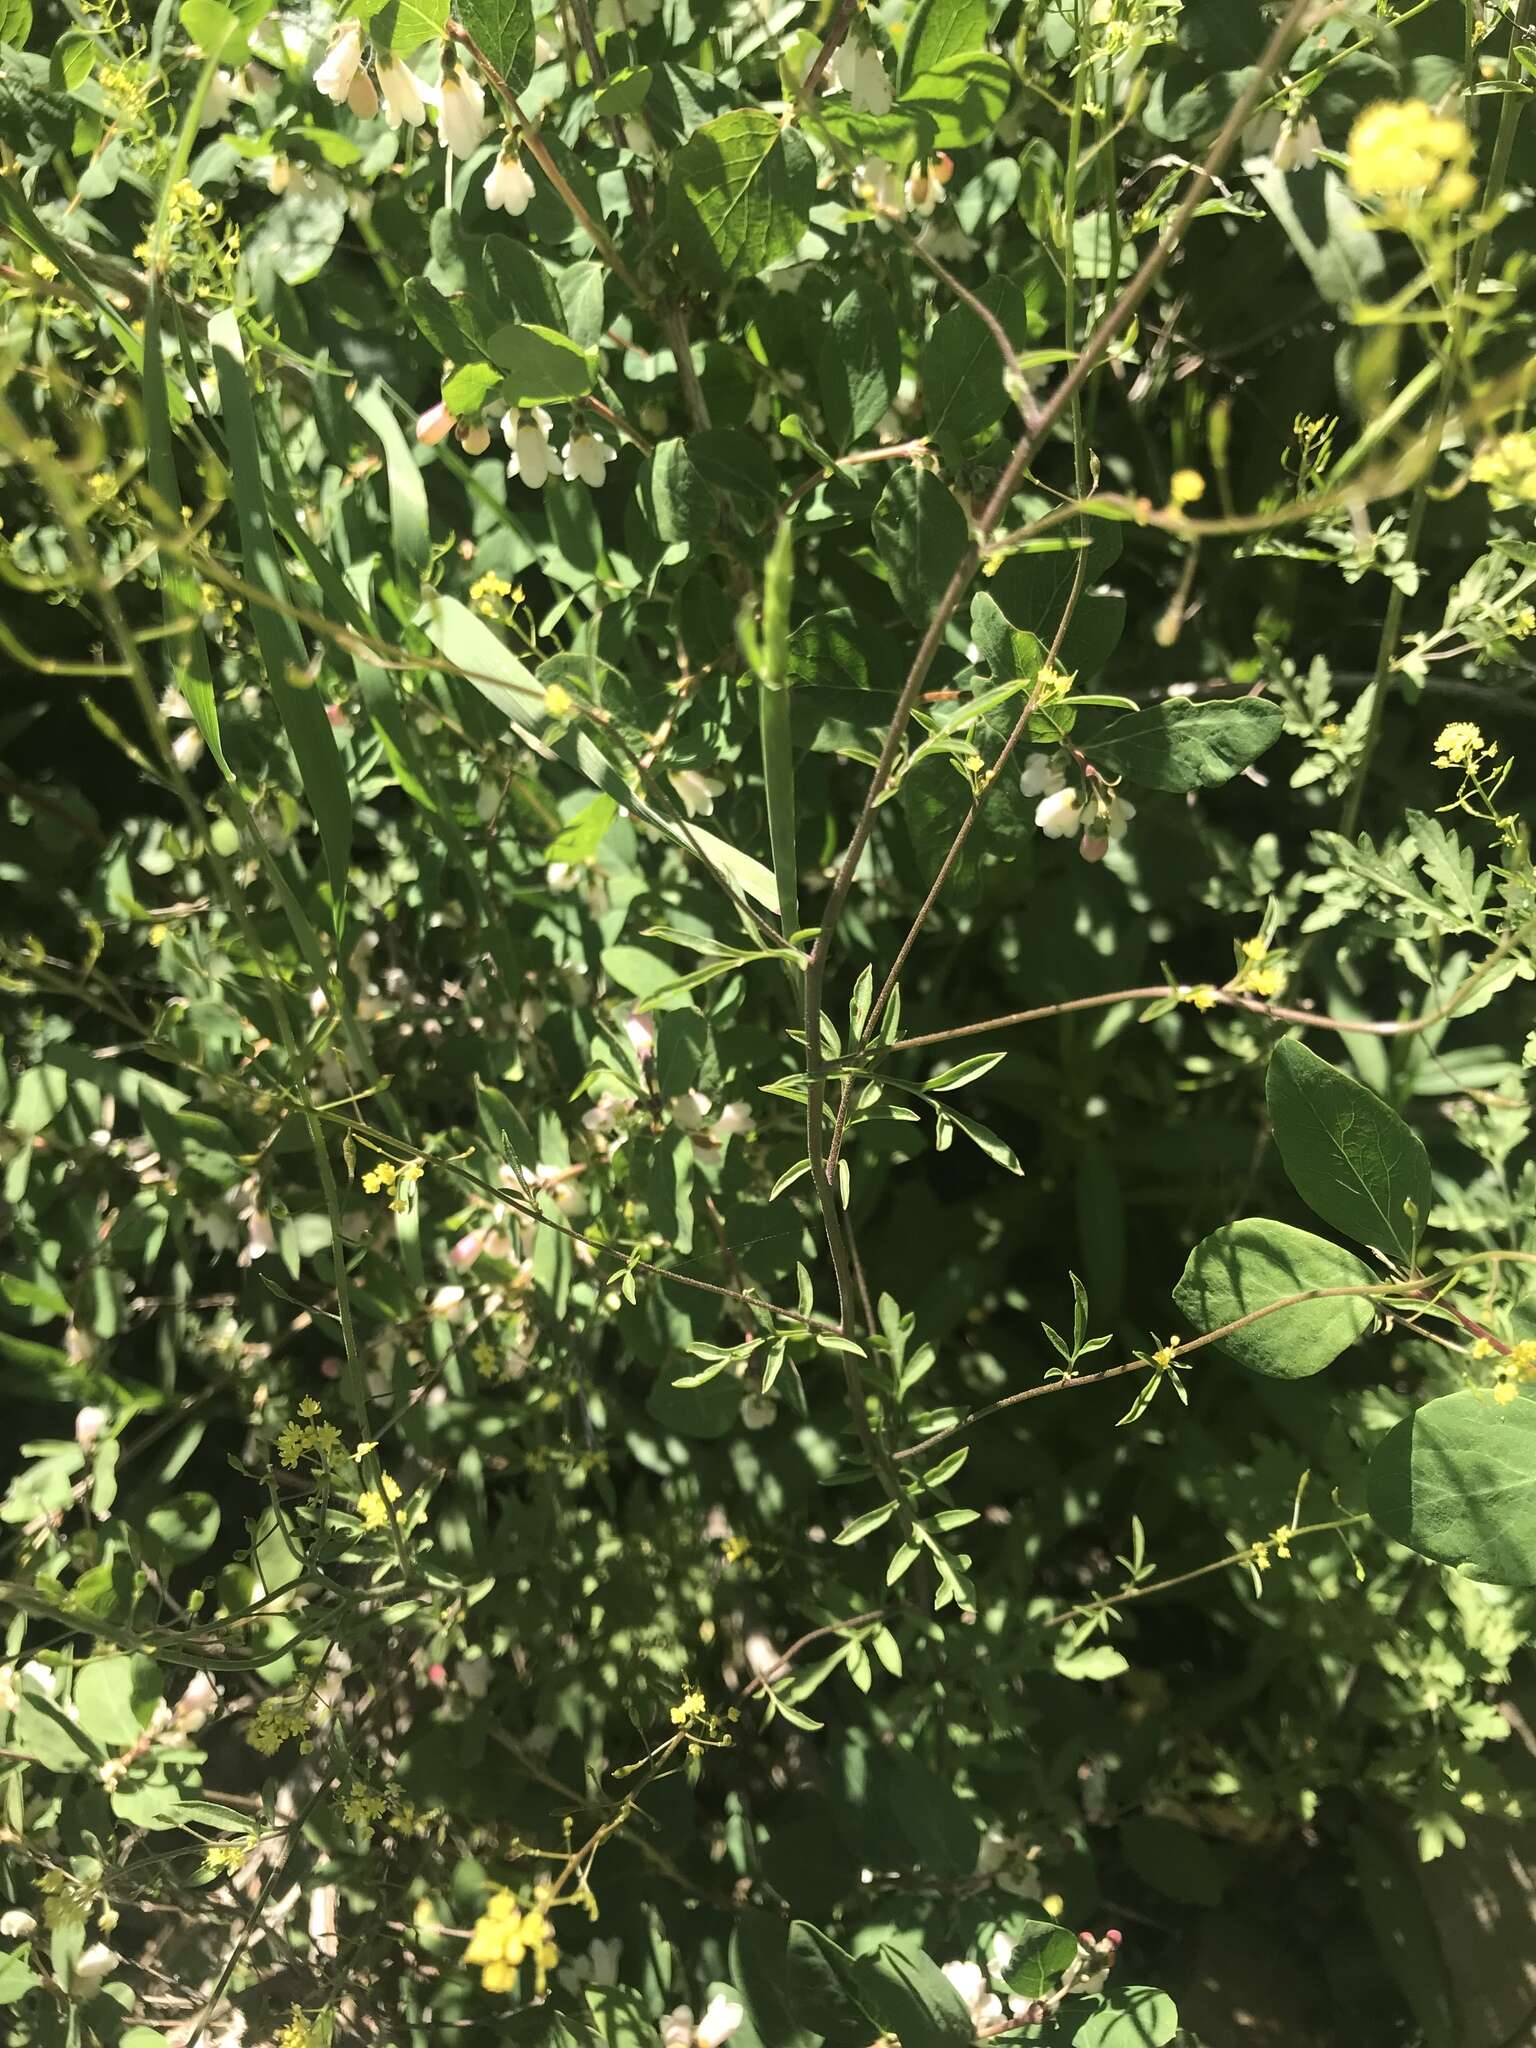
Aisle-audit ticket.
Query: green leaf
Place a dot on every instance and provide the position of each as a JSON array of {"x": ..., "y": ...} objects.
[
  {"x": 677, "y": 495},
  {"x": 181, "y": 1528},
  {"x": 282, "y": 648},
  {"x": 941, "y": 30},
  {"x": 913, "y": 1999},
  {"x": 1179, "y": 746},
  {"x": 504, "y": 29},
  {"x": 823, "y": 1990},
  {"x": 740, "y": 194},
  {"x": 1244, "y": 1266},
  {"x": 900, "y": 136},
  {"x": 404, "y": 25},
  {"x": 409, "y": 521},
  {"x": 759, "y": 1966},
  {"x": 1326, "y": 229},
  {"x": 467, "y": 389},
  {"x": 541, "y": 365},
  {"x": 208, "y": 23},
  {"x": 965, "y": 98},
  {"x": 983, "y": 1139},
  {"x": 1034, "y": 588},
  {"x": 114, "y": 1697},
  {"x": 737, "y": 463},
  {"x": 1041, "y": 1951},
  {"x": 17, "y": 1976},
  {"x": 508, "y": 282},
  {"x": 584, "y": 834},
  {"x": 1350, "y": 1158},
  {"x": 490, "y": 665},
  {"x": 860, "y": 363},
  {"x": 920, "y": 536},
  {"x": 438, "y": 319},
  {"x": 961, "y": 365},
  {"x": 1456, "y": 1482},
  {"x": 625, "y": 92},
  {"x": 1136, "y": 2016}
]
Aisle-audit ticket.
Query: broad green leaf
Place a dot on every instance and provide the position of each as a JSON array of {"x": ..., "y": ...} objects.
[
  {"x": 403, "y": 25},
  {"x": 1326, "y": 229},
  {"x": 759, "y": 1966},
  {"x": 540, "y": 365},
  {"x": 740, "y": 194},
  {"x": 466, "y": 390},
  {"x": 181, "y": 1528},
  {"x": 677, "y": 495},
  {"x": 1350, "y": 1158},
  {"x": 1133, "y": 2016},
  {"x": 941, "y": 30},
  {"x": 965, "y": 97},
  {"x": 1035, "y": 589},
  {"x": 860, "y": 363},
  {"x": 209, "y": 23},
  {"x": 1008, "y": 650},
  {"x": 438, "y": 319},
  {"x": 114, "y": 1697},
  {"x": 508, "y": 282},
  {"x": 17, "y": 1976},
  {"x": 1041, "y": 1951},
  {"x": 920, "y": 536},
  {"x": 1245, "y": 1266},
  {"x": 1180, "y": 745},
  {"x": 504, "y": 30},
  {"x": 625, "y": 92},
  {"x": 1456, "y": 1481},
  {"x": 962, "y": 366},
  {"x": 913, "y": 1999},
  {"x": 584, "y": 835},
  {"x": 736, "y": 462},
  {"x": 823, "y": 1990},
  {"x": 900, "y": 136}
]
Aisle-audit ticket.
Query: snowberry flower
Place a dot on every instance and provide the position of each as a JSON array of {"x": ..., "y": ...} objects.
[
  {"x": 1043, "y": 775},
  {"x": 90, "y": 1968},
  {"x": 1105, "y": 824},
  {"x": 690, "y": 1112},
  {"x": 586, "y": 456},
  {"x": 1297, "y": 145},
  {"x": 735, "y": 1120},
  {"x": 878, "y": 186},
  {"x": 17, "y": 1924},
  {"x": 925, "y": 184},
  {"x": 1060, "y": 815},
  {"x": 641, "y": 1033},
  {"x": 461, "y": 118},
  {"x": 475, "y": 440},
  {"x": 218, "y": 100},
  {"x": 508, "y": 184},
  {"x": 341, "y": 63},
  {"x": 722, "y": 2016},
  {"x": 695, "y": 792},
  {"x": 676, "y": 2026},
  {"x": 89, "y": 1423},
  {"x": 970, "y": 1980},
  {"x": 402, "y": 91},
  {"x": 757, "y": 1411},
  {"x": 533, "y": 453},
  {"x": 435, "y": 425},
  {"x": 860, "y": 73}
]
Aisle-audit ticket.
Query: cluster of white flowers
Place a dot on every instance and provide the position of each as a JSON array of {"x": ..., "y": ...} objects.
[
  {"x": 584, "y": 458},
  {"x": 880, "y": 186},
  {"x": 694, "y": 1115},
  {"x": 342, "y": 75},
  {"x": 1066, "y": 807}
]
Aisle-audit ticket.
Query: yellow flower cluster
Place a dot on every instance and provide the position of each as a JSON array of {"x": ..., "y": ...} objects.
[
  {"x": 1186, "y": 487},
  {"x": 398, "y": 1180},
  {"x": 505, "y": 1937},
  {"x": 1508, "y": 467},
  {"x": 278, "y": 1721},
  {"x": 1516, "y": 1368},
  {"x": 1402, "y": 151},
  {"x": 299, "y": 2032},
  {"x": 309, "y": 1439},
  {"x": 1257, "y": 974},
  {"x": 1461, "y": 745},
  {"x": 488, "y": 592},
  {"x": 371, "y": 1506},
  {"x": 689, "y": 1708}
]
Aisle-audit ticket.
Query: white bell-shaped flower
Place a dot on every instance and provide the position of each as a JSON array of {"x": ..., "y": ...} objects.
[
  {"x": 1042, "y": 775},
  {"x": 508, "y": 184},
  {"x": 722, "y": 2016},
  {"x": 362, "y": 97},
  {"x": 878, "y": 185},
  {"x": 341, "y": 63},
  {"x": 586, "y": 457},
  {"x": 862, "y": 75},
  {"x": 1060, "y": 815},
  {"x": 461, "y": 112},
  {"x": 695, "y": 792},
  {"x": 474, "y": 440},
  {"x": 533, "y": 453},
  {"x": 404, "y": 98},
  {"x": 218, "y": 99},
  {"x": 1104, "y": 824}
]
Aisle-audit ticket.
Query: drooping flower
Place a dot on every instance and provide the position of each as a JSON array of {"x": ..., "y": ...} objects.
[
  {"x": 218, "y": 100},
  {"x": 90, "y": 1968},
  {"x": 970, "y": 1981},
  {"x": 641, "y": 1033},
  {"x": 435, "y": 425},
  {"x": 89, "y": 1423},
  {"x": 17, "y": 1924},
  {"x": 1060, "y": 815},
  {"x": 586, "y": 456},
  {"x": 696, "y": 792},
  {"x": 363, "y": 97},
  {"x": 722, "y": 2016},
  {"x": 474, "y": 440},
  {"x": 878, "y": 185},
  {"x": 461, "y": 112},
  {"x": 1104, "y": 823},
  {"x": 861, "y": 74},
  {"x": 1042, "y": 775},
  {"x": 533, "y": 453},
  {"x": 341, "y": 63},
  {"x": 508, "y": 183},
  {"x": 403, "y": 95},
  {"x": 1296, "y": 145},
  {"x": 924, "y": 189}
]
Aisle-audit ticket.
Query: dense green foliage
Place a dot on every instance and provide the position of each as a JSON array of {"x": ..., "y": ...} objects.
[{"x": 767, "y": 1181}]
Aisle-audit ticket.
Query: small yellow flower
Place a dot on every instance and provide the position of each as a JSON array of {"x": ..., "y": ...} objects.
[
  {"x": 1186, "y": 487},
  {"x": 1204, "y": 997},
  {"x": 379, "y": 1177},
  {"x": 1481, "y": 1348},
  {"x": 1165, "y": 1354},
  {"x": 1505, "y": 1392},
  {"x": 1460, "y": 745},
  {"x": 689, "y": 1708},
  {"x": 371, "y": 1506},
  {"x": 309, "y": 1405},
  {"x": 158, "y": 934},
  {"x": 1265, "y": 981},
  {"x": 558, "y": 702},
  {"x": 1507, "y": 466},
  {"x": 1399, "y": 150}
]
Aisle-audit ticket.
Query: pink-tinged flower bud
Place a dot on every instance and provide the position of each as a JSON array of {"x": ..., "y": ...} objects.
[
  {"x": 1093, "y": 849},
  {"x": 362, "y": 97},
  {"x": 1113, "y": 1936},
  {"x": 89, "y": 1423},
  {"x": 475, "y": 440},
  {"x": 435, "y": 425},
  {"x": 641, "y": 1034}
]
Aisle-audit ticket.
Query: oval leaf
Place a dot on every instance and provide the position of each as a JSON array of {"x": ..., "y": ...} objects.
[
  {"x": 1457, "y": 1483},
  {"x": 1179, "y": 745},
  {"x": 1244, "y": 1267},
  {"x": 1349, "y": 1156}
]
